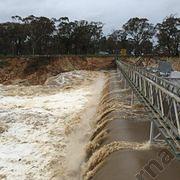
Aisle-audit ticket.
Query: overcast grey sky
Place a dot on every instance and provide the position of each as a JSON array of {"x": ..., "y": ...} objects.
[{"x": 113, "y": 13}]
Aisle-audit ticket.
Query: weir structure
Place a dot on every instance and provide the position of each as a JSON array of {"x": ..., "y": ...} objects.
[{"x": 161, "y": 99}]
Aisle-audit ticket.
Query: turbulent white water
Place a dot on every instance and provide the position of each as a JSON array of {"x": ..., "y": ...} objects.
[{"x": 43, "y": 134}]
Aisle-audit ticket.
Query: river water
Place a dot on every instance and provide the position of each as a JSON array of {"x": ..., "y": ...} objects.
[{"x": 43, "y": 129}]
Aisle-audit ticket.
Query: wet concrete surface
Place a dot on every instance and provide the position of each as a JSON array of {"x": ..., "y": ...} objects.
[
  {"x": 125, "y": 164},
  {"x": 127, "y": 130}
]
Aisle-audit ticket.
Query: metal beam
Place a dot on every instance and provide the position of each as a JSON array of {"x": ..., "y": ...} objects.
[{"x": 162, "y": 99}]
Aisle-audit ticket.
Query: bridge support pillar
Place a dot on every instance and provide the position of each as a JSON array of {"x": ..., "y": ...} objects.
[
  {"x": 152, "y": 129},
  {"x": 132, "y": 98},
  {"x": 125, "y": 83}
]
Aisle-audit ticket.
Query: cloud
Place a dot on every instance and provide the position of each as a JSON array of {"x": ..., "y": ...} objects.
[{"x": 113, "y": 13}]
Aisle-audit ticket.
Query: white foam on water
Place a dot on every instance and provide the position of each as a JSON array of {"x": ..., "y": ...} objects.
[{"x": 34, "y": 146}]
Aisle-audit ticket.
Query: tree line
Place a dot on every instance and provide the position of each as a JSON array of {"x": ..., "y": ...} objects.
[{"x": 41, "y": 35}]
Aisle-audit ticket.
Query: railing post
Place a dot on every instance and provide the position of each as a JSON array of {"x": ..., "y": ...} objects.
[
  {"x": 161, "y": 98},
  {"x": 161, "y": 103},
  {"x": 132, "y": 98},
  {"x": 176, "y": 115},
  {"x": 152, "y": 132}
]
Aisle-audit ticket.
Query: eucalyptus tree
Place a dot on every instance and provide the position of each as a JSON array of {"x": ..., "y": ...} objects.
[
  {"x": 168, "y": 34},
  {"x": 140, "y": 32}
]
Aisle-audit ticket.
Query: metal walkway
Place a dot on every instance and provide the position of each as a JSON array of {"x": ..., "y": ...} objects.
[{"x": 162, "y": 100}]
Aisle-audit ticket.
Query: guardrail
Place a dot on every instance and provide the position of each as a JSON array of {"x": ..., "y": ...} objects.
[{"x": 161, "y": 97}]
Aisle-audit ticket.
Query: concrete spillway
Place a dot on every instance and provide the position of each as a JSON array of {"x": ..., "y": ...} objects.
[{"x": 119, "y": 148}]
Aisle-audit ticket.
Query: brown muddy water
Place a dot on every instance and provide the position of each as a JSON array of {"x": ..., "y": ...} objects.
[
  {"x": 77, "y": 126},
  {"x": 44, "y": 129},
  {"x": 119, "y": 148}
]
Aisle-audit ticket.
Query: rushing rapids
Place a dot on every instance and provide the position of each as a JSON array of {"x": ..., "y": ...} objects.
[
  {"x": 44, "y": 129},
  {"x": 79, "y": 125}
]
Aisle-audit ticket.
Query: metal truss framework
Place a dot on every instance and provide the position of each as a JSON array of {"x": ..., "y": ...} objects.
[{"x": 161, "y": 98}]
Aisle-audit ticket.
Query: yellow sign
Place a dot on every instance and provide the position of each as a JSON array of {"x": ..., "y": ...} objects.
[{"x": 123, "y": 52}]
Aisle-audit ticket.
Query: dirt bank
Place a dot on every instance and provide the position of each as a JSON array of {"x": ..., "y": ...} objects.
[{"x": 36, "y": 70}]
